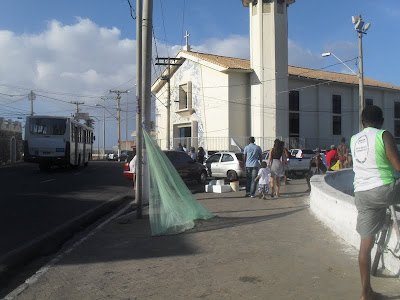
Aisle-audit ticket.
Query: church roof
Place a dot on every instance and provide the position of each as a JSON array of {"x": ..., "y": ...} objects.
[
  {"x": 227, "y": 64},
  {"x": 222, "y": 61},
  {"x": 336, "y": 77}
]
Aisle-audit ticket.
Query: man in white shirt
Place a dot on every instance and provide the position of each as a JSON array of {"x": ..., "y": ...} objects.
[{"x": 132, "y": 168}]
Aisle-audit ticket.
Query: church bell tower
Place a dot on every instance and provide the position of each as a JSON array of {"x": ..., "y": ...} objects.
[{"x": 269, "y": 60}]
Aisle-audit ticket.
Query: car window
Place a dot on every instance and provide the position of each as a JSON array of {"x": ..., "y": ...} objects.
[
  {"x": 227, "y": 157},
  {"x": 214, "y": 158}
]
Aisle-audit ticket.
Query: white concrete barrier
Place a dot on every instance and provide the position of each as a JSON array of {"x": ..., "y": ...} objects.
[{"x": 336, "y": 209}]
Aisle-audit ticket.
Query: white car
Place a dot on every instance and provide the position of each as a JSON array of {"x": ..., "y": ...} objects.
[
  {"x": 228, "y": 165},
  {"x": 302, "y": 153}
]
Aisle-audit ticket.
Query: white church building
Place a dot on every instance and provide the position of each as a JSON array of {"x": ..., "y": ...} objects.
[{"x": 216, "y": 101}]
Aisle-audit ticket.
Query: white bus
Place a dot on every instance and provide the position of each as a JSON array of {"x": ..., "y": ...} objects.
[{"x": 62, "y": 141}]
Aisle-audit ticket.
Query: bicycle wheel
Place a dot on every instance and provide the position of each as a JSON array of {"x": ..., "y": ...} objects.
[{"x": 380, "y": 247}]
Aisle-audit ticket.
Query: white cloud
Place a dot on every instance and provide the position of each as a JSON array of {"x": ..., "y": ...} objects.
[{"x": 81, "y": 58}]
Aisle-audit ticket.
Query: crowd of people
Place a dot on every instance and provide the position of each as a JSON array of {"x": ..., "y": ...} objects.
[
  {"x": 198, "y": 156},
  {"x": 337, "y": 157}
]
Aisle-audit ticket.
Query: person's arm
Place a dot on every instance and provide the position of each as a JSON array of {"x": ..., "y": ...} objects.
[
  {"x": 255, "y": 179},
  {"x": 269, "y": 157},
  {"x": 391, "y": 150},
  {"x": 260, "y": 156}
]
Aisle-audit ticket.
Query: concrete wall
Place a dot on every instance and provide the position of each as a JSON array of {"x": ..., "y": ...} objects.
[{"x": 336, "y": 210}]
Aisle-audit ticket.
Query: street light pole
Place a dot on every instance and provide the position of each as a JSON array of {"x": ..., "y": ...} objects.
[
  {"x": 361, "y": 29},
  {"x": 361, "y": 80}
]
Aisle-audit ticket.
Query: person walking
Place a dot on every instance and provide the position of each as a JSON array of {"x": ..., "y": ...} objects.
[
  {"x": 285, "y": 162},
  {"x": 275, "y": 164},
  {"x": 252, "y": 157},
  {"x": 200, "y": 155},
  {"x": 343, "y": 153},
  {"x": 375, "y": 155},
  {"x": 263, "y": 183},
  {"x": 179, "y": 148},
  {"x": 318, "y": 165},
  {"x": 193, "y": 154},
  {"x": 332, "y": 156}
]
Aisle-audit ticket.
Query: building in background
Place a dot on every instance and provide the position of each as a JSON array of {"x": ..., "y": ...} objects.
[
  {"x": 217, "y": 102},
  {"x": 11, "y": 143}
]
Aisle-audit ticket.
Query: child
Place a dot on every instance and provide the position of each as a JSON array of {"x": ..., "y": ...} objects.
[{"x": 263, "y": 184}]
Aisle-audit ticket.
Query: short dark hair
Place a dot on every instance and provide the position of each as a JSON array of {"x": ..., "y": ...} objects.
[
  {"x": 372, "y": 114},
  {"x": 251, "y": 139}
]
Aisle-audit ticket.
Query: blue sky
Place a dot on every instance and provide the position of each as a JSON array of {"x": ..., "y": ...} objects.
[{"x": 77, "y": 50}]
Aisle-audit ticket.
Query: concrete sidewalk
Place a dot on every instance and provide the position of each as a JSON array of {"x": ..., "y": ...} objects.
[{"x": 253, "y": 249}]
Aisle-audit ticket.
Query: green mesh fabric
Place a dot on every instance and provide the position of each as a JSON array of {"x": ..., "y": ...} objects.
[{"x": 172, "y": 207}]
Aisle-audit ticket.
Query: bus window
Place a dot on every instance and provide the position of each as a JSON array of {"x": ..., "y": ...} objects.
[{"x": 47, "y": 126}]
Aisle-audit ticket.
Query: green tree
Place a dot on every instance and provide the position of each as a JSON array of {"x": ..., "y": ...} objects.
[{"x": 89, "y": 123}]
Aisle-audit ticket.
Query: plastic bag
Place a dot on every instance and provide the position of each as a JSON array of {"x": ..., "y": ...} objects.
[{"x": 172, "y": 207}]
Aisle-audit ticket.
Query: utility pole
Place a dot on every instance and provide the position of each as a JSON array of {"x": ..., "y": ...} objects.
[
  {"x": 77, "y": 105},
  {"x": 104, "y": 127},
  {"x": 147, "y": 26},
  {"x": 31, "y": 97},
  {"x": 119, "y": 118},
  {"x": 126, "y": 124},
  {"x": 139, "y": 135},
  {"x": 167, "y": 61}
]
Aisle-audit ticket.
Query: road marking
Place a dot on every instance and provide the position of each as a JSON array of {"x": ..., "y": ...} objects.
[
  {"x": 34, "y": 278},
  {"x": 48, "y": 180}
]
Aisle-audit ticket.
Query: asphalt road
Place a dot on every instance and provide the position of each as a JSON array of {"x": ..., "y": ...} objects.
[{"x": 32, "y": 203}]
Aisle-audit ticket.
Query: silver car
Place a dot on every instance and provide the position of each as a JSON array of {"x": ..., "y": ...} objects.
[{"x": 228, "y": 165}]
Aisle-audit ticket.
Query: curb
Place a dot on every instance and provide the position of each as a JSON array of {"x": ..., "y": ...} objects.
[{"x": 51, "y": 241}]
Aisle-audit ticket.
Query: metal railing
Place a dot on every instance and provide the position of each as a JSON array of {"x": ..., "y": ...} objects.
[{"x": 235, "y": 144}]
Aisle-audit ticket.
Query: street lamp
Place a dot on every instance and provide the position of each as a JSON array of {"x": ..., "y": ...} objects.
[
  {"x": 361, "y": 29},
  {"x": 330, "y": 53}
]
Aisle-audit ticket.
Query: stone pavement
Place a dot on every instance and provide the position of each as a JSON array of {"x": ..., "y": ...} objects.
[{"x": 253, "y": 249}]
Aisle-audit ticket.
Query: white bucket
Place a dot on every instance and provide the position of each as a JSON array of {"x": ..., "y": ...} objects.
[{"x": 234, "y": 185}]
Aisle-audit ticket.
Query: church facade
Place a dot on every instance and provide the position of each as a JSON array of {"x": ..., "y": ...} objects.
[{"x": 217, "y": 102}]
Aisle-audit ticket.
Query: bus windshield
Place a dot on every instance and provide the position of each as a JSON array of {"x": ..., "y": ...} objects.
[{"x": 47, "y": 126}]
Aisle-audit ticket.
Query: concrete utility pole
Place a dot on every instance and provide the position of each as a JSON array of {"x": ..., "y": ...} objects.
[
  {"x": 168, "y": 62},
  {"x": 104, "y": 128},
  {"x": 147, "y": 26},
  {"x": 77, "y": 105},
  {"x": 126, "y": 124},
  {"x": 139, "y": 135},
  {"x": 119, "y": 118},
  {"x": 31, "y": 97}
]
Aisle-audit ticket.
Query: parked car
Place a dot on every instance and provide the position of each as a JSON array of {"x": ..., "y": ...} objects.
[
  {"x": 188, "y": 169},
  {"x": 302, "y": 153},
  {"x": 228, "y": 165}
]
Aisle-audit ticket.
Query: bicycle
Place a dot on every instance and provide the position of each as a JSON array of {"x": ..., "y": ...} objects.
[{"x": 383, "y": 239}]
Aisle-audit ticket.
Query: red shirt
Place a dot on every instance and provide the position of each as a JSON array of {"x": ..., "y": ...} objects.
[{"x": 331, "y": 154}]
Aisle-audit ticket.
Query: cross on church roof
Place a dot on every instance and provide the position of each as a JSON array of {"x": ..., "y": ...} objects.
[{"x": 186, "y": 36}]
